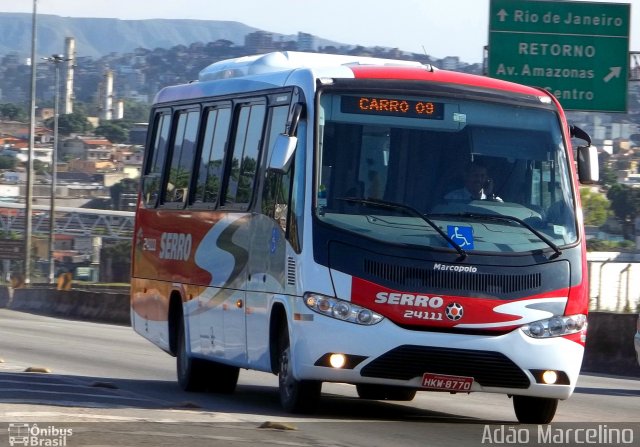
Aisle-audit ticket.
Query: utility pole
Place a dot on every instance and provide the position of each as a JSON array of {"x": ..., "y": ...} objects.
[{"x": 55, "y": 59}]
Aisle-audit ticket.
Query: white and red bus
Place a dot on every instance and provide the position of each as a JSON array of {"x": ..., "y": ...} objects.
[{"x": 305, "y": 215}]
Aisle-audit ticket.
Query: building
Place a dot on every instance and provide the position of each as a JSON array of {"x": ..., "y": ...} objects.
[{"x": 259, "y": 42}]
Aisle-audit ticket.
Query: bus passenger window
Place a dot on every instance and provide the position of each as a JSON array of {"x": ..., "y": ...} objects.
[
  {"x": 151, "y": 179},
  {"x": 211, "y": 163},
  {"x": 182, "y": 156},
  {"x": 244, "y": 162}
]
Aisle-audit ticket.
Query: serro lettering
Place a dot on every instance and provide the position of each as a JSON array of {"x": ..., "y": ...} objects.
[
  {"x": 455, "y": 268},
  {"x": 408, "y": 299},
  {"x": 175, "y": 246}
]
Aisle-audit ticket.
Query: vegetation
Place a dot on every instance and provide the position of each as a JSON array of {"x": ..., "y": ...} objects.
[
  {"x": 114, "y": 131},
  {"x": 12, "y": 112},
  {"x": 600, "y": 245},
  {"x": 8, "y": 162},
  {"x": 75, "y": 122},
  {"x": 124, "y": 186},
  {"x": 595, "y": 206}
]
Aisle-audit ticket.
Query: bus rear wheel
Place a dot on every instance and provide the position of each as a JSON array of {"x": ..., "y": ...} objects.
[
  {"x": 534, "y": 410},
  {"x": 296, "y": 396},
  {"x": 384, "y": 392}
]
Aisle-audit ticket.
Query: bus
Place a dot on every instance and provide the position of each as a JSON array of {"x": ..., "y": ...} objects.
[{"x": 295, "y": 217}]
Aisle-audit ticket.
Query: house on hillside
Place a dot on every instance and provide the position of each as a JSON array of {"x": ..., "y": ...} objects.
[{"x": 85, "y": 148}]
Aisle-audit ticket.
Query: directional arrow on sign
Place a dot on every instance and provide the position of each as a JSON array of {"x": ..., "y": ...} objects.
[
  {"x": 614, "y": 72},
  {"x": 502, "y": 14}
]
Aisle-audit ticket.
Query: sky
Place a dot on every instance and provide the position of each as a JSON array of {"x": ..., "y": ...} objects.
[{"x": 438, "y": 28}]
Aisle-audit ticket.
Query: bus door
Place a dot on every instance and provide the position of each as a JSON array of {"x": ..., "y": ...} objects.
[
  {"x": 266, "y": 269},
  {"x": 238, "y": 195}
]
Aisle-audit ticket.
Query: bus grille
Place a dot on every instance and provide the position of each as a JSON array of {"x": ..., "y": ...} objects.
[
  {"x": 488, "y": 368},
  {"x": 407, "y": 276}
]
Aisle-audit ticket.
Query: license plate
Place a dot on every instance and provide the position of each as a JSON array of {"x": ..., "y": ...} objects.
[{"x": 446, "y": 383}]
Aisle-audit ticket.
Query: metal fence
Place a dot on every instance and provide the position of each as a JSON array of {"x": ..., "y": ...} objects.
[{"x": 614, "y": 280}]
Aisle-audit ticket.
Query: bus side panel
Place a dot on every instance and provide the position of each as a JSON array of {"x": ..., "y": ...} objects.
[
  {"x": 266, "y": 278},
  {"x": 150, "y": 309},
  {"x": 223, "y": 253},
  {"x": 166, "y": 262}
]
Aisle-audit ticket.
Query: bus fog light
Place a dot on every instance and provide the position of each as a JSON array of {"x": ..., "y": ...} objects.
[
  {"x": 337, "y": 360},
  {"x": 549, "y": 377}
]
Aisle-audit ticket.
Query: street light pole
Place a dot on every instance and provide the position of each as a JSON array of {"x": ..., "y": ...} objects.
[
  {"x": 32, "y": 120},
  {"x": 56, "y": 59}
]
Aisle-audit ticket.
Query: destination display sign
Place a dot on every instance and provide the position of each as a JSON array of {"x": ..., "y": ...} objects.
[
  {"x": 578, "y": 51},
  {"x": 392, "y": 106}
]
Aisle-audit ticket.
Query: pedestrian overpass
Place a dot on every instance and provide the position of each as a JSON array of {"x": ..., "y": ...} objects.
[{"x": 108, "y": 224}]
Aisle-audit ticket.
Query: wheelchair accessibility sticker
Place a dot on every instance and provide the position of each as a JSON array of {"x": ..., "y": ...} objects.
[{"x": 461, "y": 235}]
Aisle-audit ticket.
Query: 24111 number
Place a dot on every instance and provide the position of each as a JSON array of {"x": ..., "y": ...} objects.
[{"x": 422, "y": 315}]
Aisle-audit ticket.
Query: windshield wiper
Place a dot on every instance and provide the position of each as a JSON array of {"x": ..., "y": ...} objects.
[
  {"x": 507, "y": 218},
  {"x": 377, "y": 203}
]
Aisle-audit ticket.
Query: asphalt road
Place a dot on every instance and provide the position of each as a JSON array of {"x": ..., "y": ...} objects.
[{"x": 111, "y": 387}]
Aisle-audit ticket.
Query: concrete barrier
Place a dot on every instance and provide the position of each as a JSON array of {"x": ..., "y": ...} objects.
[
  {"x": 103, "y": 306},
  {"x": 609, "y": 348}
]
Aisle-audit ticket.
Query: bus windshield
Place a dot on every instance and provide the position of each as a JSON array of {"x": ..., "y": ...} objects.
[{"x": 491, "y": 176}]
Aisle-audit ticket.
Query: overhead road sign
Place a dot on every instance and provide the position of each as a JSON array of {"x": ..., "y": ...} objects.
[{"x": 578, "y": 51}]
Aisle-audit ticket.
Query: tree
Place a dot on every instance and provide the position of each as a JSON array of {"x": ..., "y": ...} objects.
[
  {"x": 116, "y": 132},
  {"x": 75, "y": 122},
  {"x": 124, "y": 186},
  {"x": 12, "y": 112},
  {"x": 608, "y": 176},
  {"x": 40, "y": 167},
  {"x": 625, "y": 203},
  {"x": 595, "y": 206},
  {"x": 136, "y": 112},
  {"x": 8, "y": 162}
]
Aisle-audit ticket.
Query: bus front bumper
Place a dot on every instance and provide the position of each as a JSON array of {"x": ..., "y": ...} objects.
[{"x": 387, "y": 354}]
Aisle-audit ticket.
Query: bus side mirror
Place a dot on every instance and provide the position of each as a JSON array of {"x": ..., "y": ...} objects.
[
  {"x": 283, "y": 150},
  {"x": 588, "y": 169}
]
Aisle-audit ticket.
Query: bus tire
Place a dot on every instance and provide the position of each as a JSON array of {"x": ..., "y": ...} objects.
[
  {"x": 384, "y": 392},
  {"x": 296, "y": 396},
  {"x": 191, "y": 372},
  {"x": 221, "y": 378},
  {"x": 534, "y": 410}
]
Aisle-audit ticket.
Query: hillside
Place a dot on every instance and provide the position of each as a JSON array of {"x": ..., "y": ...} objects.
[{"x": 98, "y": 37}]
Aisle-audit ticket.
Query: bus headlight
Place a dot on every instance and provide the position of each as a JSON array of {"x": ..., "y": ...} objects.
[
  {"x": 341, "y": 310},
  {"x": 555, "y": 326}
]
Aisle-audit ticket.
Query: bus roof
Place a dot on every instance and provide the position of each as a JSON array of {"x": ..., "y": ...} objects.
[
  {"x": 274, "y": 69},
  {"x": 290, "y": 60}
]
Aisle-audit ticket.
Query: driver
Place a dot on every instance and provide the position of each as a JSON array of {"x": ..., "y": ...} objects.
[{"x": 477, "y": 185}]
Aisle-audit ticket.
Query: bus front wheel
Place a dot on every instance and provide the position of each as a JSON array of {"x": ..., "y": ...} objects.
[
  {"x": 203, "y": 375},
  {"x": 534, "y": 410},
  {"x": 296, "y": 396}
]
